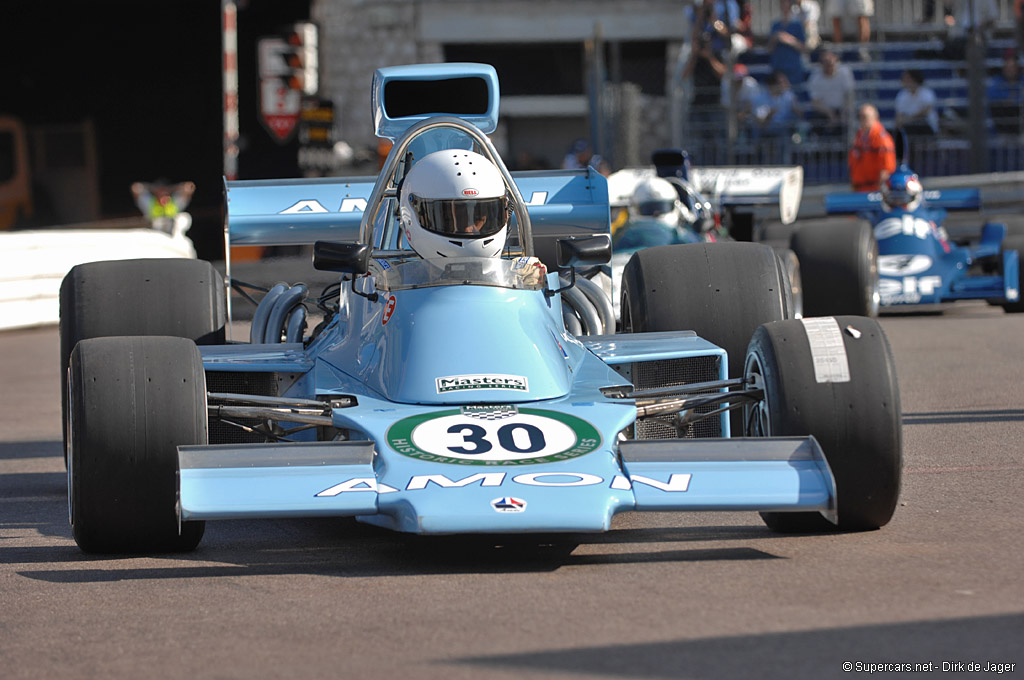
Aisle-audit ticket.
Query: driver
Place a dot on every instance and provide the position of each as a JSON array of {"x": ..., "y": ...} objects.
[
  {"x": 902, "y": 190},
  {"x": 453, "y": 203},
  {"x": 657, "y": 199}
]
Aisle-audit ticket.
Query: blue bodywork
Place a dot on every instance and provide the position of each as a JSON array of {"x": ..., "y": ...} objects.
[
  {"x": 457, "y": 400},
  {"x": 918, "y": 265}
]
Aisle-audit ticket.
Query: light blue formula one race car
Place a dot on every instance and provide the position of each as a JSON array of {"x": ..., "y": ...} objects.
[
  {"x": 919, "y": 266},
  {"x": 442, "y": 392}
]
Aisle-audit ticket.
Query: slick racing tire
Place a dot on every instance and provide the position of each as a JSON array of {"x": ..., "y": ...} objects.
[
  {"x": 176, "y": 297},
  {"x": 839, "y": 267},
  {"x": 791, "y": 265},
  {"x": 722, "y": 291},
  {"x": 775, "y": 233},
  {"x": 1016, "y": 243},
  {"x": 853, "y": 413},
  {"x": 133, "y": 401}
]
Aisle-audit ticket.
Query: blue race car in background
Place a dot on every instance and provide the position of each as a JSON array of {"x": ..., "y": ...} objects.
[
  {"x": 918, "y": 264},
  {"x": 452, "y": 394}
]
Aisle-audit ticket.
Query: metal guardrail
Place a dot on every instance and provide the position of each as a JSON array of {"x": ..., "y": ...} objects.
[{"x": 824, "y": 159}]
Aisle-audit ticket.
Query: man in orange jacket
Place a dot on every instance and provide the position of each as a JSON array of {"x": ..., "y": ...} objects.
[{"x": 873, "y": 154}]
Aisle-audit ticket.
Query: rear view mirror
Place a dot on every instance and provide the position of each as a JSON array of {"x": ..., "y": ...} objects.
[
  {"x": 348, "y": 258},
  {"x": 590, "y": 250}
]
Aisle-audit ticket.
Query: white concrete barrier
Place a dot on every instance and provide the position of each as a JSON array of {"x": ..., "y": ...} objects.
[{"x": 33, "y": 264}]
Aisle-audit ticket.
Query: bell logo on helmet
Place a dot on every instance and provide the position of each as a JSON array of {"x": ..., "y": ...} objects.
[{"x": 470, "y": 192}]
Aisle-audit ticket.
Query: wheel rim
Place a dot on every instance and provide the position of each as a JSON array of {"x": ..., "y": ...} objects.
[
  {"x": 626, "y": 315},
  {"x": 873, "y": 294},
  {"x": 69, "y": 422},
  {"x": 756, "y": 416},
  {"x": 796, "y": 287}
]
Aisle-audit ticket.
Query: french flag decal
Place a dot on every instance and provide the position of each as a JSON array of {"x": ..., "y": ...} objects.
[{"x": 508, "y": 504}]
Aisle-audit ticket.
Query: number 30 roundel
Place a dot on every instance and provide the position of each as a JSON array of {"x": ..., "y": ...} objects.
[{"x": 498, "y": 436}]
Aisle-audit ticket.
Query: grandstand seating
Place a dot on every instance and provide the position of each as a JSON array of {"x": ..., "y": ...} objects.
[{"x": 877, "y": 68}]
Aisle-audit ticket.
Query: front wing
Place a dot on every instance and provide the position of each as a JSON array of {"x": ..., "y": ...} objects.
[{"x": 356, "y": 478}]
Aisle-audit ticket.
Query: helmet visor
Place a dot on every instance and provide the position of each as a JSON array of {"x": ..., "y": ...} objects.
[
  {"x": 656, "y": 207},
  {"x": 897, "y": 198},
  {"x": 463, "y": 218}
]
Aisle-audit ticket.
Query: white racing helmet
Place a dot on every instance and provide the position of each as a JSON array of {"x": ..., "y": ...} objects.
[
  {"x": 656, "y": 198},
  {"x": 454, "y": 203}
]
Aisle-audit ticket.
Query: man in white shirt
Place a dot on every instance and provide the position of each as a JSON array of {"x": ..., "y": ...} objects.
[
  {"x": 916, "y": 106},
  {"x": 982, "y": 14},
  {"x": 831, "y": 91}
]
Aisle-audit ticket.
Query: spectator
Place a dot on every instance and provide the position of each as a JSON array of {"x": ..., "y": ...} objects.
[
  {"x": 831, "y": 92},
  {"x": 930, "y": 6},
  {"x": 744, "y": 90},
  {"x": 706, "y": 67},
  {"x": 1018, "y": 23},
  {"x": 718, "y": 21},
  {"x": 581, "y": 155},
  {"x": 982, "y": 14},
  {"x": 873, "y": 154},
  {"x": 972, "y": 14},
  {"x": 1006, "y": 96},
  {"x": 809, "y": 12},
  {"x": 786, "y": 45},
  {"x": 916, "y": 106},
  {"x": 746, "y": 26},
  {"x": 778, "y": 110},
  {"x": 839, "y": 10}
]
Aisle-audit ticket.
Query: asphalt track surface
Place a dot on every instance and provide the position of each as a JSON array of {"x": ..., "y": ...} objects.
[{"x": 673, "y": 596}]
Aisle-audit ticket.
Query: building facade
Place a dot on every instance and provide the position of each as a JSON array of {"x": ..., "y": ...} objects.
[{"x": 548, "y": 55}]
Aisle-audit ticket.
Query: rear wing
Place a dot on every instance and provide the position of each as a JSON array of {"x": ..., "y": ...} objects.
[
  {"x": 277, "y": 212},
  {"x": 735, "y": 187},
  {"x": 947, "y": 199},
  {"x": 405, "y": 99}
]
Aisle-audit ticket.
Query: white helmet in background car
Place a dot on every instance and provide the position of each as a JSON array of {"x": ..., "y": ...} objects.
[
  {"x": 656, "y": 198},
  {"x": 454, "y": 203}
]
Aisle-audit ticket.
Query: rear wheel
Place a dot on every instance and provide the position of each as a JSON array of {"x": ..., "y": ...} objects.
[
  {"x": 172, "y": 297},
  {"x": 133, "y": 401},
  {"x": 839, "y": 267},
  {"x": 835, "y": 379}
]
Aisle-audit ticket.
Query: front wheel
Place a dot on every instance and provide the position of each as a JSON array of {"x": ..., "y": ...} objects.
[
  {"x": 178, "y": 297},
  {"x": 833, "y": 378},
  {"x": 791, "y": 265},
  {"x": 133, "y": 401},
  {"x": 721, "y": 291}
]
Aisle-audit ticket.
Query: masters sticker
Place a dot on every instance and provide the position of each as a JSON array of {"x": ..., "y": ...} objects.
[
  {"x": 493, "y": 435},
  {"x": 458, "y": 383}
]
